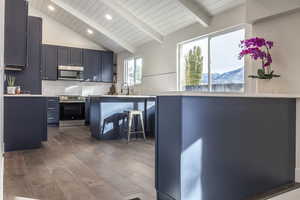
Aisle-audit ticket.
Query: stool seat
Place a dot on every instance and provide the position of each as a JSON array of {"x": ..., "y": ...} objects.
[{"x": 131, "y": 115}]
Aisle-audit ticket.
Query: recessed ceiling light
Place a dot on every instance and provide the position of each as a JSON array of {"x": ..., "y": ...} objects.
[
  {"x": 51, "y": 8},
  {"x": 89, "y": 31},
  {"x": 108, "y": 17}
]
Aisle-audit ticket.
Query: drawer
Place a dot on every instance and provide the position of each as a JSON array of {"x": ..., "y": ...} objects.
[
  {"x": 53, "y": 103},
  {"x": 53, "y": 99},
  {"x": 53, "y": 116},
  {"x": 53, "y": 109}
]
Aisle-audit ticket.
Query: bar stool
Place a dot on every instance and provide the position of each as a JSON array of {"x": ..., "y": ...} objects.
[{"x": 131, "y": 119}]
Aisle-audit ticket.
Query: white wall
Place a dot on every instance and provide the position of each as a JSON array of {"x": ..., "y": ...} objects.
[
  {"x": 284, "y": 30},
  {"x": 160, "y": 60},
  {"x": 1, "y": 93},
  {"x": 57, "y": 34}
]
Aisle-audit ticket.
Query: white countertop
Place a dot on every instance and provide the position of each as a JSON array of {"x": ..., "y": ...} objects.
[
  {"x": 123, "y": 96},
  {"x": 26, "y": 95},
  {"x": 292, "y": 96}
]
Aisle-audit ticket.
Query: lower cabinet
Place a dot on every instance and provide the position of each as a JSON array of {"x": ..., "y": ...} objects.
[
  {"x": 25, "y": 122},
  {"x": 53, "y": 111}
]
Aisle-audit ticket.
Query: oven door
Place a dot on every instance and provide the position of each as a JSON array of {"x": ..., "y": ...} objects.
[{"x": 72, "y": 111}]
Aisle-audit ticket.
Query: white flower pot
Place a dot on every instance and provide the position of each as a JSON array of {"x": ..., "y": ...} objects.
[{"x": 11, "y": 90}]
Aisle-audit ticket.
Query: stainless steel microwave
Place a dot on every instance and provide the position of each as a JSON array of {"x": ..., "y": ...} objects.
[{"x": 72, "y": 73}]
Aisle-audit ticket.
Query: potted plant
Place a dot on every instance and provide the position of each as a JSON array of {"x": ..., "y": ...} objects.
[
  {"x": 259, "y": 49},
  {"x": 11, "y": 88}
]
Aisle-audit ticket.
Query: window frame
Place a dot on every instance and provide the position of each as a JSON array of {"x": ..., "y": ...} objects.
[
  {"x": 125, "y": 75},
  {"x": 209, "y": 37}
]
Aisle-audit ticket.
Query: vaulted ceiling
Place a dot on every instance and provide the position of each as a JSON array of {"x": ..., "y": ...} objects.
[{"x": 134, "y": 22}]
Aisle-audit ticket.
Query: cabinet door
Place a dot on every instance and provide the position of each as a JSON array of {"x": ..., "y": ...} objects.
[
  {"x": 50, "y": 62},
  {"x": 32, "y": 74},
  {"x": 16, "y": 13},
  {"x": 91, "y": 62},
  {"x": 107, "y": 67},
  {"x": 76, "y": 57},
  {"x": 64, "y": 56}
]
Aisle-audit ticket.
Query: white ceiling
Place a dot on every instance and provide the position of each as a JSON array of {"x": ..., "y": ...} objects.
[{"x": 152, "y": 18}]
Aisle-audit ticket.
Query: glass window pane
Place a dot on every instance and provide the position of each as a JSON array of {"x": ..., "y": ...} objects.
[
  {"x": 227, "y": 71},
  {"x": 194, "y": 65},
  {"x": 129, "y": 71},
  {"x": 138, "y": 70}
]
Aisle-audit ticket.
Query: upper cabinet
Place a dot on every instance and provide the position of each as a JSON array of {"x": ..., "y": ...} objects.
[
  {"x": 76, "y": 57},
  {"x": 49, "y": 62},
  {"x": 63, "y": 56},
  {"x": 107, "y": 67},
  {"x": 92, "y": 65},
  {"x": 69, "y": 56},
  {"x": 32, "y": 73},
  {"x": 98, "y": 65},
  {"x": 16, "y": 12}
]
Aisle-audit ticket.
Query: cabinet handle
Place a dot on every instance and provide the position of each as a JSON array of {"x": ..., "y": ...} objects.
[
  {"x": 51, "y": 108},
  {"x": 50, "y": 118}
]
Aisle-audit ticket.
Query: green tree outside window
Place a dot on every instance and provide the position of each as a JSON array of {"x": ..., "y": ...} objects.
[{"x": 193, "y": 67}]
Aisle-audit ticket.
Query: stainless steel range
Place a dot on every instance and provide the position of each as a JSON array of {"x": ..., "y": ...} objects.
[{"x": 72, "y": 110}]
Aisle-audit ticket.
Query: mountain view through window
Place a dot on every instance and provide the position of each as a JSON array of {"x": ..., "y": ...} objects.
[{"x": 211, "y": 64}]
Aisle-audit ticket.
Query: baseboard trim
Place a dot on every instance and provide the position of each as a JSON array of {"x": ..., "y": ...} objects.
[{"x": 297, "y": 175}]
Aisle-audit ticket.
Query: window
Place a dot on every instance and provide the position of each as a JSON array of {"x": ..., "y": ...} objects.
[
  {"x": 133, "y": 71},
  {"x": 211, "y": 63}
]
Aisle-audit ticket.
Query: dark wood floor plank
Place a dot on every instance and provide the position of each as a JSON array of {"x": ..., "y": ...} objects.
[{"x": 72, "y": 165}]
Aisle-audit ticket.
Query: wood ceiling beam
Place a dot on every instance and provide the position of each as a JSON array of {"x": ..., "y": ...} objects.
[
  {"x": 93, "y": 25},
  {"x": 134, "y": 20},
  {"x": 200, "y": 13}
]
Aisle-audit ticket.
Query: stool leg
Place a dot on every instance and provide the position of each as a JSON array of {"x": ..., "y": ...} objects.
[
  {"x": 142, "y": 124},
  {"x": 129, "y": 127}
]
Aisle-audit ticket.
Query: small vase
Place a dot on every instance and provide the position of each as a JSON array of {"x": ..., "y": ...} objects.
[{"x": 11, "y": 90}]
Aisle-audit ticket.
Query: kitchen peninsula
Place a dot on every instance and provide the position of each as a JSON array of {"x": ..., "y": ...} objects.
[
  {"x": 223, "y": 147},
  {"x": 105, "y": 114}
]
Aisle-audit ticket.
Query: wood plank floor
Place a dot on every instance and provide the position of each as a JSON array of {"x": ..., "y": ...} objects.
[{"x": 74, "y": 166}]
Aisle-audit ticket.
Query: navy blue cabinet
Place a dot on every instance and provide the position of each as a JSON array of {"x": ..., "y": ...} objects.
[
  {"x": 16, "y": 13},
  {"x": 32, "y": 73},
  {"x": 92, "y": 65},
  {"x": 69, "y": 56},
  {"x": 76, "y": 55},
  {"x": 25, "y": 122},
  {"x": 98, "y": 65},
  {"x": 53, "y": 111},
  {"x": 107, "y": 67},
  {"x": 64, "y": 56},
  {"x": 239, "y": 147},
  {"x": 49, "y": 62},
  {"x": 30, "y": 77}
]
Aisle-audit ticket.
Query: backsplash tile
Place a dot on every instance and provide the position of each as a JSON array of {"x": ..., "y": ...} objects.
[{"x": 56, "y": 88}]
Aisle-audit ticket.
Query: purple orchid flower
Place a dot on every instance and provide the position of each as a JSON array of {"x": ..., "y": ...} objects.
[{"x": 257, "y": 48}]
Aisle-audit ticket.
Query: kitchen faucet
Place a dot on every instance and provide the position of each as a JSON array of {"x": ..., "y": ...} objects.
[{"x": 125, "y": 86}]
